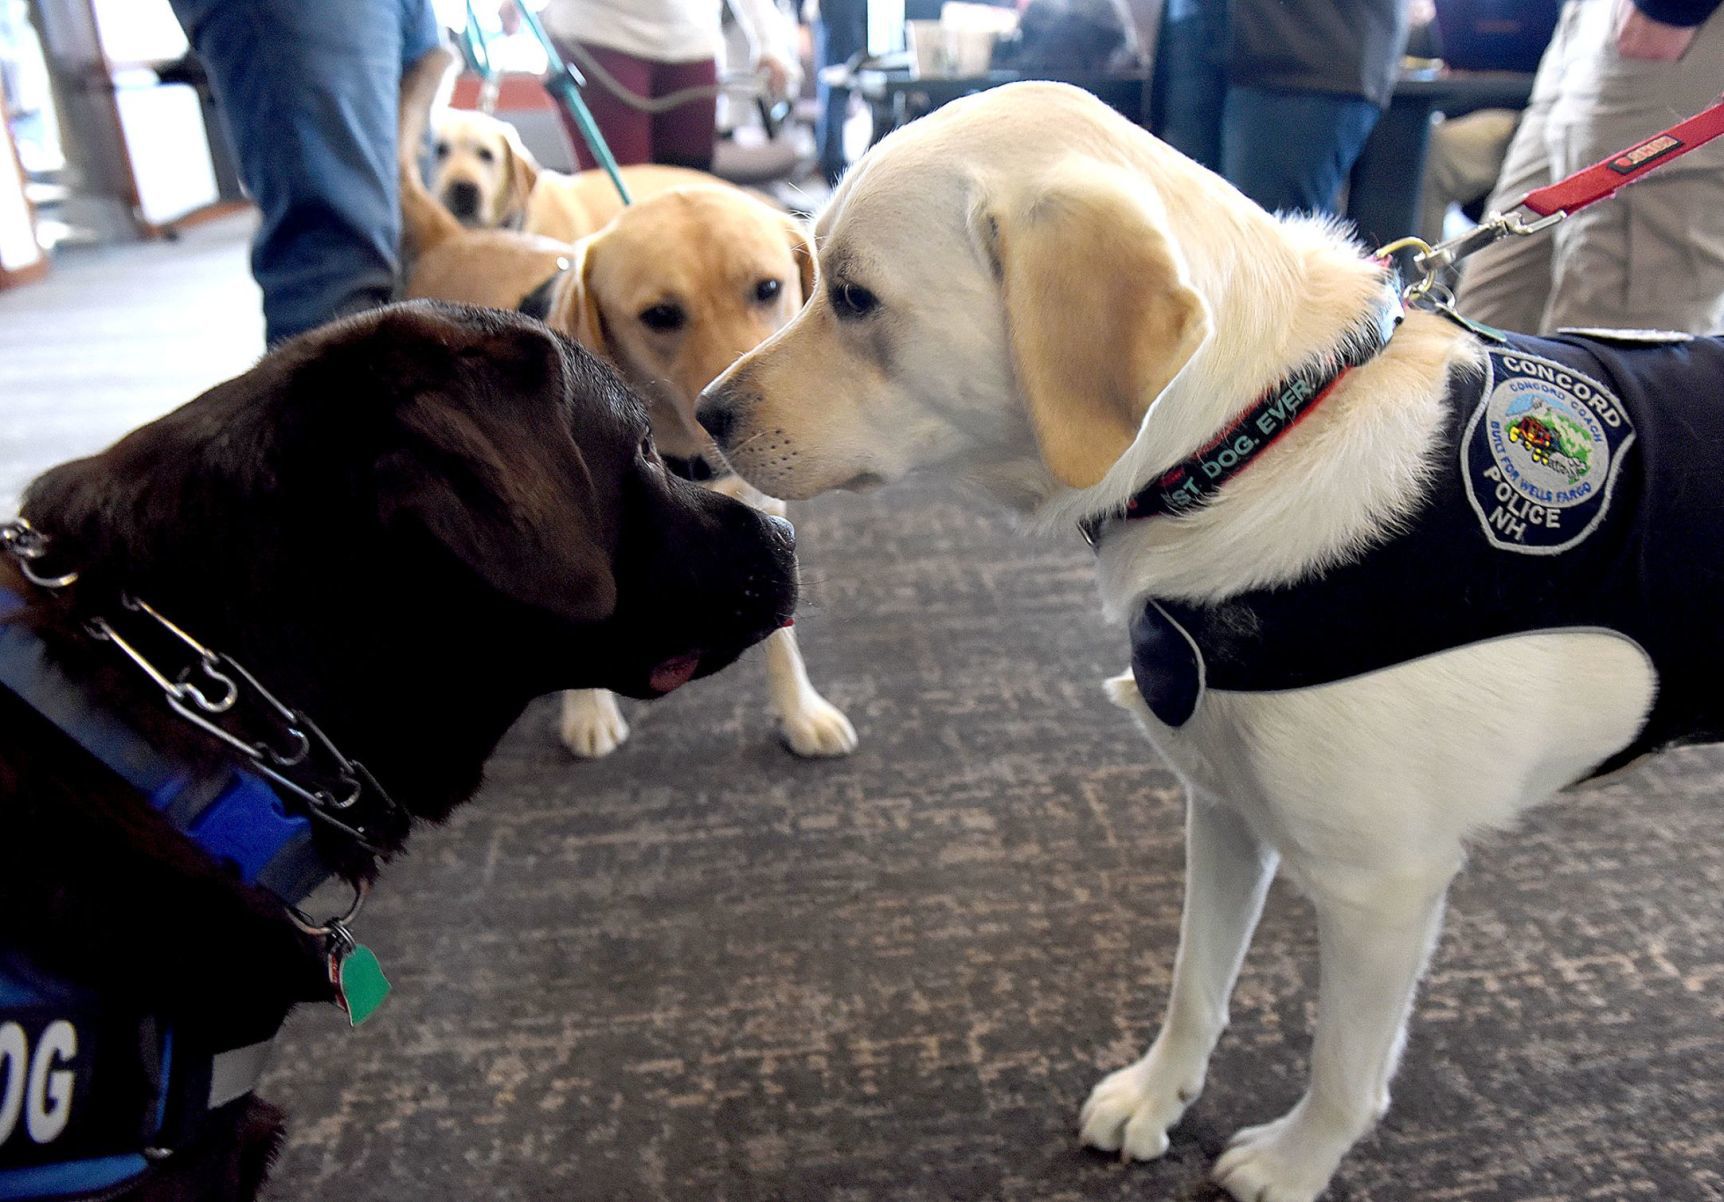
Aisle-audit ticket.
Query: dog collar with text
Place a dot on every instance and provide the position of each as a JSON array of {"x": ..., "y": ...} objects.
[
  {"x": 102, "y": 1093},
  {"x": 94, "y": 1094},
  {"x": 1193, "y": 482}
]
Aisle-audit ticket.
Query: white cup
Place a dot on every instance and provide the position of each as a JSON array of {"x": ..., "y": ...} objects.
[
  {"x": 927, "y": 48},
  {"x": 970, "y": 51}
]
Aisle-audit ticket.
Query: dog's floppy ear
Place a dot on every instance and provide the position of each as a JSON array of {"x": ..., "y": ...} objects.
[
  {"x": 1100, "y": 313},
  {"x": 802, "y": 247},
  {"x": 575, "y": 306},
  {"x": 520, "y": 177},
  {"x": 485, "y": 464}
]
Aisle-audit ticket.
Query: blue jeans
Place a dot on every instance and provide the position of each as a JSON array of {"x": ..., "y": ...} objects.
[
  {"x": 839, "y": 35},
  {"x": 309, "y": 92},
  {"x": 1285, "y": 150}
]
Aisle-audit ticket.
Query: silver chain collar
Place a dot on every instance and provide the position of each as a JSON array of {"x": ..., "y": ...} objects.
[{"x": 212, "y": 686}]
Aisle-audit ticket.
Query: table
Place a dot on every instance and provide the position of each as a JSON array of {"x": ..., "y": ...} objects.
[{"x": 898, "y": 97}]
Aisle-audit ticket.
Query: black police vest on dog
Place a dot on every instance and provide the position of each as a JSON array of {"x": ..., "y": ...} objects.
[{"x": 1580, "y": 485}]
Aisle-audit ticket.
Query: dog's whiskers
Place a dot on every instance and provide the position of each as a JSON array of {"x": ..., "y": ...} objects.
[
  {"x": 809, "y": 591},
  {"x": 752, "y": 438}
]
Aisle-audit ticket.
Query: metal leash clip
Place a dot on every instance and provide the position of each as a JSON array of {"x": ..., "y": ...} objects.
[
  {"x": 1554, "y": 201},
  {"x": 1429, "y": 262}
]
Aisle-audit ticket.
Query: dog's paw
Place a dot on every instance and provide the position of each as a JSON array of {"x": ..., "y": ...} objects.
[
  {"x": 592, "y": 724},
  {"x": 1132, "y": 1110},
  {"x": 1289, "y": 1160},
  {"x": 816, "y": 729}
]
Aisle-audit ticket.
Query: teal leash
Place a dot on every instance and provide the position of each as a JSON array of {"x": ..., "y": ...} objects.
[
  {"x": 564, "y": 82},
  {"x": 478, "y": 54},
  {"x": 561, "y": 80}
]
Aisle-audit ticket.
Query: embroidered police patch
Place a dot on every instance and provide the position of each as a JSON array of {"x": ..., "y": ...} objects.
[{"x": 1541, "y": 453}]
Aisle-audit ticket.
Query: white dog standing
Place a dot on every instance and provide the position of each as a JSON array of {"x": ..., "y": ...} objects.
[{"x": 1029, "y": 292}]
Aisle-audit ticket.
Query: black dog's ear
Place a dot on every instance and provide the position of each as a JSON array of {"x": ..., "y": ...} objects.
[
  {"x": 127, "y": 512},
  {"x": 523, "y": 523},
  {"x": 484, "y": 461}
]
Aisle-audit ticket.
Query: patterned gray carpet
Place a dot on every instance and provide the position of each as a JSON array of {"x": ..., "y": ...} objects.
[{"x": 704, "y": 970}]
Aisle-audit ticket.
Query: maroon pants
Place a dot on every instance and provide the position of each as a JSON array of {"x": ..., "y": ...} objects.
[{"x": 681, "y": 136}]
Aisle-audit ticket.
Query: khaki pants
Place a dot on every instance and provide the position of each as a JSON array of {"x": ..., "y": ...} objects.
[
  {"x": 1652, "y": 257},
  {"x": 1463, "y": 164}
]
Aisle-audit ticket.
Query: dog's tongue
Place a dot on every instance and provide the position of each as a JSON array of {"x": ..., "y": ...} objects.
[{"x": 673, "y": 673}]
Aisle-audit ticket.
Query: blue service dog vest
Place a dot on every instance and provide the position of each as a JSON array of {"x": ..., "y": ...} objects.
[
  {"x": 91, "y": 1090},
  {"x": 1580, "y": 485}
]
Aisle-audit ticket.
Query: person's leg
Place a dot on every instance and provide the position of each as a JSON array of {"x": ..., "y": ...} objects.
[
  {"x": 627, "y": 130},
  {"x": 308, "y": 92},
  {"x": 683, "y": 136},
  {"x": 839, "y": 35},
  {"x": 1289, "y": 151},
  {"x": 1506, "y": 285},
  {"x": 1191, "y": 79},
  {"x": 1652, "y": 256},
  {"x": 1465, "y": 160}
]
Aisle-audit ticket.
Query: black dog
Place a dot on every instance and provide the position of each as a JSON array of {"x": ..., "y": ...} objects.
[{"x": 407, "y": 525}]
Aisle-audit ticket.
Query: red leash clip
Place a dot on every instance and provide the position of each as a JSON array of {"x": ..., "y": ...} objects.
[{"x": 1551, "y": 203}]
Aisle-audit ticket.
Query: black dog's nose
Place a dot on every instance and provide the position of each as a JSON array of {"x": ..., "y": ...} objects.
[
  {"x": 462, "y": 198},
  {"x": 717, "y": 417},
  {"x": 786, "y": 532}
]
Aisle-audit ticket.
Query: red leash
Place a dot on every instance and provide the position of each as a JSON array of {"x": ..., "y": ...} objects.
[
  {"x": 1551, "y": 203},
  {"x": 1602, "y": 179}
]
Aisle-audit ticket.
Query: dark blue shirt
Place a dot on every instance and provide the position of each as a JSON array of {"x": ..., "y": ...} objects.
[{"x": 1678, "y": 12}]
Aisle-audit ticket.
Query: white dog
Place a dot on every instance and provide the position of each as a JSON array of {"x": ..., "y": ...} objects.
[{"x": 1029, "y": 292}]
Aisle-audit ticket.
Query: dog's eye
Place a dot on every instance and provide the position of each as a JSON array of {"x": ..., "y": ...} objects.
[
  {"x": 486, "y": 154},
  {"x": 649, "y": 453},
  {"x": 442, "y": 150},
  {"x": 663, "y": 317},
  {"x": 853, "y": 300},
  {"x": 767, "y": 290}
]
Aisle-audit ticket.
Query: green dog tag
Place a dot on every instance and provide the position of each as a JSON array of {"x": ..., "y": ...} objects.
[{"x": 362, "y": 984}]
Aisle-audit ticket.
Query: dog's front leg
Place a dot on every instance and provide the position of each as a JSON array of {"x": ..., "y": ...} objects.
[
  {"x": 1374, "y": 937},
  {"x": 1227, "y": 875},
  {"x": 592, "y": 725},
  {"x": 811, "y": 725}
]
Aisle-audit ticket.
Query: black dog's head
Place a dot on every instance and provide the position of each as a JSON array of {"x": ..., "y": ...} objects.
[
  {"x": 411, "y": 522},
  {"x": 531, "y": 468}
]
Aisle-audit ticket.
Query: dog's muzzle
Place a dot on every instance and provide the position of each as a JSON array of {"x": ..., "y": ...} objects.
[{"x": 462, "y": 199}]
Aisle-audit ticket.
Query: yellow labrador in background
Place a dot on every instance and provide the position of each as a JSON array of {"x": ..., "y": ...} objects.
[
  {"x": 1027, "y": 291},
  {"x": 671, "y": 292},
  {"x": 486, "y": 178},
  {"x": 483, "y": 263},
  {"x": 480, "y": 169}
]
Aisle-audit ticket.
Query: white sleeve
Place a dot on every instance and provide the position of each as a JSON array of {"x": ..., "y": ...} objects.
[{"x": 766, "y": 27}]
